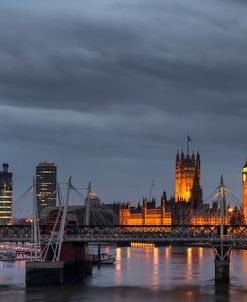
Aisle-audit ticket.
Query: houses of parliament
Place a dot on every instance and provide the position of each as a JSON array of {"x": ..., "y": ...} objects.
[{"x": 187, "y": 205}]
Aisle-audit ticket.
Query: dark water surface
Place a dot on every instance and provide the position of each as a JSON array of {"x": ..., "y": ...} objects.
[{"x": 140, "y": 274}]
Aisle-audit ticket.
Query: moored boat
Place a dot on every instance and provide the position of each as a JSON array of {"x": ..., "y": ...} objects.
[
  {"x": 103, "y": 259},
  {"x": 7, "y": 255}
]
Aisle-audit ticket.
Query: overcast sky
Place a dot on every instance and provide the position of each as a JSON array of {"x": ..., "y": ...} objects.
[{"x": 108, "y": 89}]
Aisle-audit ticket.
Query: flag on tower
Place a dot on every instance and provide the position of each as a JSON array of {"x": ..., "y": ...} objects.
[{"x": 188, "y": 140}]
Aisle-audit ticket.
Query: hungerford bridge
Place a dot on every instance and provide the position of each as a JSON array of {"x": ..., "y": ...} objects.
[
  {"x": 49, "y": 246},
  {"x": 235, "y": 235}
]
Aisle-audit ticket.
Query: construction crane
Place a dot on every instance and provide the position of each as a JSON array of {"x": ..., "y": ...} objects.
[{"x": 151, "y": 190}]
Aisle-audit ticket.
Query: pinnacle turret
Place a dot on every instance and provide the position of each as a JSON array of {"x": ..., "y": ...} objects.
[
  {"x": 164, "y": 196},
  {"x": 245, "y": 166},
  {"x": 221, "y": 180},
  {"x": 196, "y": 178},
  {"x": 197, "y": 156},
  {"x": 193, "y": 156},
  {"x": 182, "y": 155}
]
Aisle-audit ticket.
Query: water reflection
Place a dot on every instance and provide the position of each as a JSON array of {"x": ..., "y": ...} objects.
[
  {"x": 189, "y": 263},
  {"x": 200, "y": 251},
  {"x": 12, "y": 272},
  {"x": 118, "y": 274},
  {"x": 155, "y": 273},
  {"x": 167, "y": 252},
  {"x": 107, "y": 249},
  {"x": 141, "y": 273},
  {"x": 128, "y": 252}
]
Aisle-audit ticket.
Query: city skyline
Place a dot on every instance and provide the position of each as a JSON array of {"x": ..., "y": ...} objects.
[
  {"x": 155, "y": 192},
  {"x": 123, "y": 150},
  {"x": 107, "y": 91}
]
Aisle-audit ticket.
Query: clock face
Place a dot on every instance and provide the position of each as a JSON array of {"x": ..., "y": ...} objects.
[{"x": 244, "y": 177}]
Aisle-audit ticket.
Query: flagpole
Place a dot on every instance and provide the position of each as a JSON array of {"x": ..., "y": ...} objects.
[{"x": 188, "y": 140}]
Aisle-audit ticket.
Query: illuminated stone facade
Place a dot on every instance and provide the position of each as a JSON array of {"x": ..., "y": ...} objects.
[
  {"x": 185, "y": 206},
  {"x": 6, "y": 194},
  {"x": 148, "y": 214},
  {"x": 211, "y": 216},
  {"x": 186, "y": 169},
  {"x": 210, "y": 220}
]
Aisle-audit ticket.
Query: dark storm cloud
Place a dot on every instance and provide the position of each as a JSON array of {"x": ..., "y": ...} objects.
[
  {"x": 125, "y": 79},
  {"x": 84, "y": 61}
]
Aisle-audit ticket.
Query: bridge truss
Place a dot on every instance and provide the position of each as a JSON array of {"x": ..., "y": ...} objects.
[{"x": 137, "y": 233}]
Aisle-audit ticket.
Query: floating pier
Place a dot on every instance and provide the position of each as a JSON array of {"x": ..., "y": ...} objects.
[{"x": 44, "y": 273}]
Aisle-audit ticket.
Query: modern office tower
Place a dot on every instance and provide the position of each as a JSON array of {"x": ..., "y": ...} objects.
[
  {"x": 6, "y": 194},
  {"x": 46, "y": 184}
]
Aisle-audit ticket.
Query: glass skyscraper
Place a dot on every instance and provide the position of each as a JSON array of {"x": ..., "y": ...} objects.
[
  {"x": 6, "y": 195},
  {"x": 46, "y": 185}
]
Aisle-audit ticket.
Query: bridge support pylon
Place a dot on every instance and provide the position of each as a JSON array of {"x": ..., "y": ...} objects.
[
  {"x": 222, "y": 251},
  {"x": 222, "y": 247}
]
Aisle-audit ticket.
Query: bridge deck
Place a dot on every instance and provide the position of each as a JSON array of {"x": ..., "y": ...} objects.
[{"x": 186, "y": 233}]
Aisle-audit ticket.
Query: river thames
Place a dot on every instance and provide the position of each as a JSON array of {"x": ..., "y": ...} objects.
[{"x": 140, "y": 274}]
